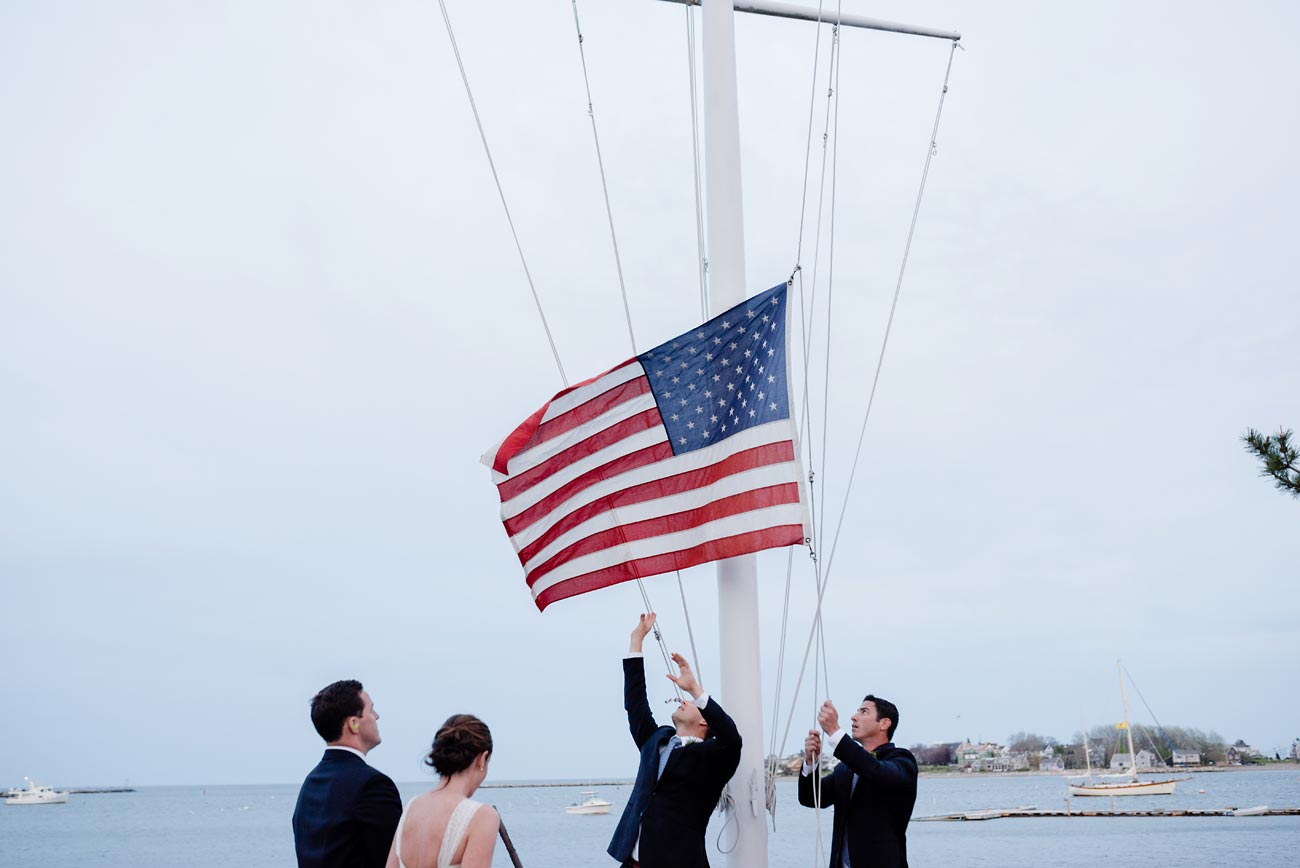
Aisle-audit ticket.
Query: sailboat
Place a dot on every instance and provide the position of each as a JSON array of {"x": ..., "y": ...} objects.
[{"x": 1127, "y": 784}]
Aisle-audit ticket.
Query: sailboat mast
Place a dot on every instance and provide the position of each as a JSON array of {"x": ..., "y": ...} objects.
[
  {"x": 1087, "y": 755},
  {"x": 1128, "y": 730},
  {"x": 737, "y": 577}
]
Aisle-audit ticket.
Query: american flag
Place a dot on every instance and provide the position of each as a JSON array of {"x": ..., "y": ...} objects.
[{"x": 682, "y": 455}]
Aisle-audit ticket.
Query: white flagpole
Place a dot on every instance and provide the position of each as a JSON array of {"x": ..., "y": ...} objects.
[{"x": 737, "y": 577}]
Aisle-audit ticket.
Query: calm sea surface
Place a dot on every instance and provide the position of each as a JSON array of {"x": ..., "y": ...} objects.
[{"x": 249, "y": 826}]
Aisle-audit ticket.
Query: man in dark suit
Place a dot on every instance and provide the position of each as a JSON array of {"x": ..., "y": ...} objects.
[
  {"x": 682, "y": 771},
  {"x": 347, "y": 811},
  {"x": 873, "y": 788}
]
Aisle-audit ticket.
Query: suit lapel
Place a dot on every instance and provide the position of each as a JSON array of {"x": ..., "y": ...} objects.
[{"x": 844, "y": 786}]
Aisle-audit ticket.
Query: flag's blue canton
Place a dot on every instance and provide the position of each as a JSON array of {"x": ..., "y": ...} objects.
[{"x": 725, "y": 376}]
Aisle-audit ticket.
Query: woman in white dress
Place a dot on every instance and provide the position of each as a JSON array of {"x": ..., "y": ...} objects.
[{"x": 445, "y": 828}]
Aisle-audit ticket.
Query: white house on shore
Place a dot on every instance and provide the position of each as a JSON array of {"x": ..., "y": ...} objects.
[
  {"x": 1186, "y": 758},
  {"x": 1145, "y": 760}
]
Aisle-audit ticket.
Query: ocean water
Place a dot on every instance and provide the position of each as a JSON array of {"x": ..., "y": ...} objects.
[{"x": 207, "y": 827}]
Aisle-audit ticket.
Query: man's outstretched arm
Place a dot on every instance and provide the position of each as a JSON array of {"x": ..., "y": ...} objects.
[{"x": 640, "y": 719}]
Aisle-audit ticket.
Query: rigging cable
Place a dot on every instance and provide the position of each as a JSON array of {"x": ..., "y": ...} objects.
[
  {"x": 930, "y": 151},
  {"x": 451, "y": 35},
  {"x": 501, "y": 192},
  {"x": 702, "y": 262},
  {"x": 627, "y": 313},
  {"x": 831, "y": 145},
  {"x": 803, "y": 422},
  {"x": 1163, "y": 734},
  {"x": 832, "y": 107},
  {"x": 898, "y": 287},
  {"x": 600, "y": 162}
]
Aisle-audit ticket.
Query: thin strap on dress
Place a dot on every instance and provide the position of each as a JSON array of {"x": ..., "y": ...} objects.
[
  {"x": 457, "y": 826},
  {"x": 397, "y": 838}
]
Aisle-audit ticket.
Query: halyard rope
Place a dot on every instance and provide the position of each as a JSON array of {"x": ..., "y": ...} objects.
[
  {"x": 451, "y": 34},
  {"x": 930, "y": 150},
  {"x": 600, "y": 162}
]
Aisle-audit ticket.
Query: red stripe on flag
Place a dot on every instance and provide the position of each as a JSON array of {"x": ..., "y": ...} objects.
[
  {"x": 735, "y": 504},
  {"x": 640, "y": 458},
  {"x": 519, "y": 437},
  {"x": 727, "y": 547},
  {"x": 602, "y": 439},
  {"x": 748, "y": 459},
  {"x": 589, "y": 410}
]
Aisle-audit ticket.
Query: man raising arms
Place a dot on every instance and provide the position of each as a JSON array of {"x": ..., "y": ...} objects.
[
  {"x": 682, "y": 771},
  {"x": 873, "y": 788}
]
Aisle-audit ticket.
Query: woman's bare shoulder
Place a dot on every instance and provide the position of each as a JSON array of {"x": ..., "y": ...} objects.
[{"x": 486, "y": 817}]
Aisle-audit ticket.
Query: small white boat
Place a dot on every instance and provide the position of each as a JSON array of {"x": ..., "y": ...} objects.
[
  {"x": 592, "y": 804},
  {"x": 1257, "y": 811},
  {"x": 35, "y": 794}
]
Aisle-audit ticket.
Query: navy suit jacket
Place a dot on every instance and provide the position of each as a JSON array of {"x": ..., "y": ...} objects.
[
  {"x": 671, "y": 812},
  {"x": 346, "y": 815},
  {"x": 873, "y": 816}
]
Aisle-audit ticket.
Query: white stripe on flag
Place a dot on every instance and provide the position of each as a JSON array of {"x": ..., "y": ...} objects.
[
  {"x": 738, "y": 483},
  {"x": 530, "y": 496},
  {"x": 529, "y": 459},
  {"x": 583, "y": 394},
  {"x": 761, "y": 435},
  {"x": 791, "y": 513}
]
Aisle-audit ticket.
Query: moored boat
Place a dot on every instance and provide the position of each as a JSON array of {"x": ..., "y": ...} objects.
[
  {"x": 35, "y": 794},
  {"x": 1128, "y": 784},
  {"x": 1124, "y": 788},
  {"x": 593, "y": 804}
]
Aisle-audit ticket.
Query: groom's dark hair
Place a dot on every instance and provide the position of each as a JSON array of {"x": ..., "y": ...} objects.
[
  {"x": 885, "y": 709},
  {"x": 333, "y": 705}
]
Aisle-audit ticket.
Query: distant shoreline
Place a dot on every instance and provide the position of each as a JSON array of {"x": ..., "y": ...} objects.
[{"x": 1284, "y": 766}]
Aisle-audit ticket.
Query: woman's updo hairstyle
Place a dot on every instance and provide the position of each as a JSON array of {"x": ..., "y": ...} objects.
[{"x": 457, "y": 743}]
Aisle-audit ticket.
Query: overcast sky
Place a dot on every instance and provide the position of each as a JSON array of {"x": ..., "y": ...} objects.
[{"x": 260, "y": 313}]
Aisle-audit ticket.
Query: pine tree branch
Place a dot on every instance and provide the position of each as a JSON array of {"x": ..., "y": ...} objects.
[{"x": 1280, "y": 458}]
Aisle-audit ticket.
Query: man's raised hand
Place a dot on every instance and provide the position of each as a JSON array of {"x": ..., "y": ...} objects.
[
  {"x": 685, "y": 679},
  {"x": 829, "y": 718},
  {"x": 643, "y": 626}
]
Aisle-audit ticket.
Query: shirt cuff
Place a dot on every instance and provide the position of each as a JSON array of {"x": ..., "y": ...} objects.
[
  {"x": 834, "y": 739},
  {"x": 806, "y": 770},
  {"x": 633, "y": 655},
  {"x": 703, "y": 700}
]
